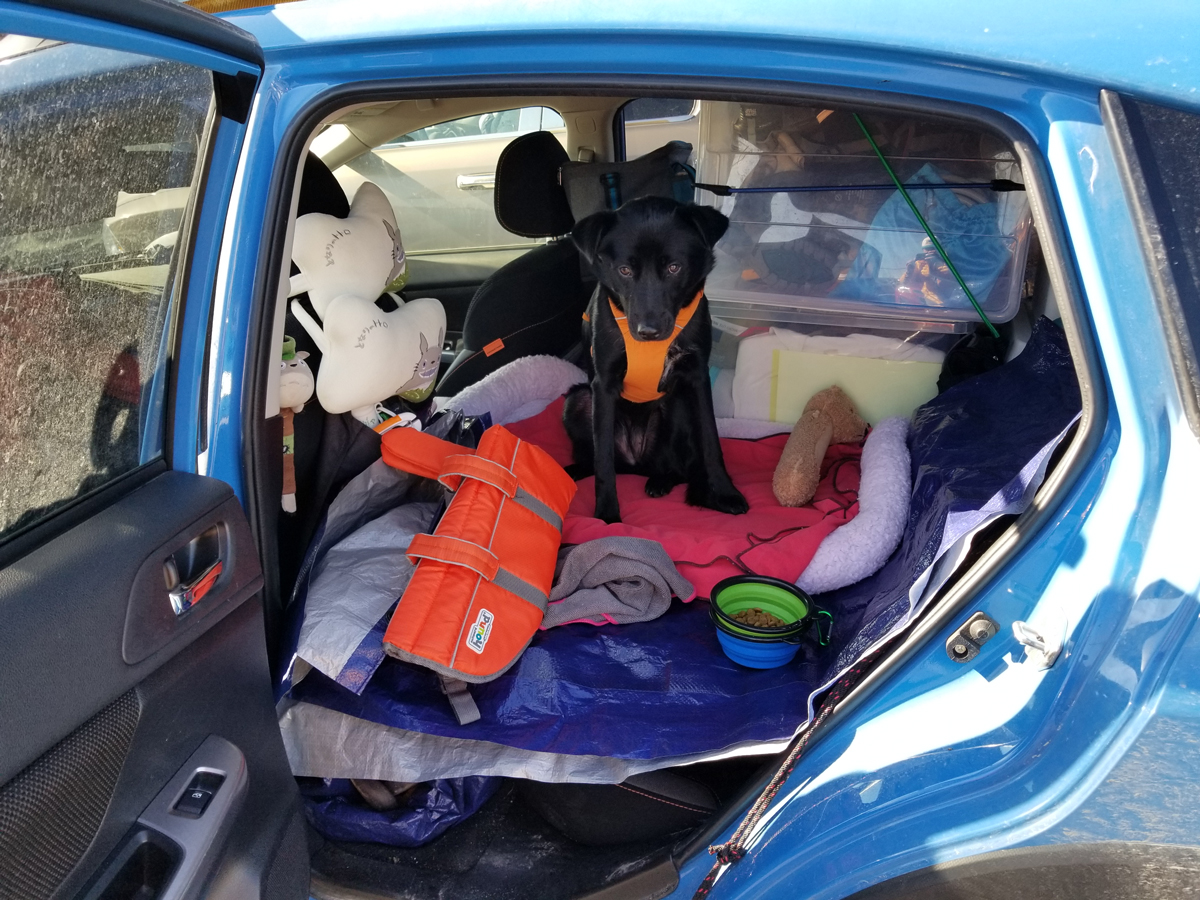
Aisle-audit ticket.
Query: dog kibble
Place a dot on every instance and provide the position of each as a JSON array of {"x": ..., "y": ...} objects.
[{"x": 758, "y": 618}]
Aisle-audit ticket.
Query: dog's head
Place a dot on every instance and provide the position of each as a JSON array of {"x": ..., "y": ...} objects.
[{"x": 652, "y": 256}]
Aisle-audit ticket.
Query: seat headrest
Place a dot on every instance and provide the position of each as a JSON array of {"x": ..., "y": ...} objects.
[{"x": 529, "y": 200}]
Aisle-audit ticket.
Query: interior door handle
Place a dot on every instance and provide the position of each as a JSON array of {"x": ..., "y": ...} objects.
[
  {"x": 485, "y": 181},
  {"x": 187, "y": 594},
  {"x": 192, "y": 570}
]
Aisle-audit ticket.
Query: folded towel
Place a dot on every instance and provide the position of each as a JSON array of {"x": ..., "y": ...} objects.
[{"x": 614, "y": 580}]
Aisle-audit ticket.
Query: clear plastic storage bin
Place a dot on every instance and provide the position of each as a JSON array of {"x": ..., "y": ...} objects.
[{"x": 856, "y": 254}]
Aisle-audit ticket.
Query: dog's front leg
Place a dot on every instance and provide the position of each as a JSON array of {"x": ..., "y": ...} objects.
[
  {"x": 604, "y": 411},
  {"x": 710, "y": 485}
]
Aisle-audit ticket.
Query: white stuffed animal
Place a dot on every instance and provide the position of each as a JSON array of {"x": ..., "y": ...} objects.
[
  {"x": 368, "y": 355},
  {"x": 360, "y": 254}
]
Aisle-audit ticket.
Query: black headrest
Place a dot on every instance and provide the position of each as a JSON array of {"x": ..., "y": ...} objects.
[
  {"x": 320, "y": 191},
  {"x": 529, "y": 199}
]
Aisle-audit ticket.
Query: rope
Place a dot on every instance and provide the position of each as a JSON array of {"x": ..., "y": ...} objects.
[{"x": 734, "y": 850}]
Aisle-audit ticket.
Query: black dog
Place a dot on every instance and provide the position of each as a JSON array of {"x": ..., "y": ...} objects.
[{"x": 648, "y": 410}]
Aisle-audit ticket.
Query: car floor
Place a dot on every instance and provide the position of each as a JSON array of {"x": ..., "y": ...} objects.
[{"x": 506, "y": 851}]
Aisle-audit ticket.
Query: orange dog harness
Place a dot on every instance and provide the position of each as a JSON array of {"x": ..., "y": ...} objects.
[
  {"x": 645, "y": 360},
  {"x": 483, "y": 578}
]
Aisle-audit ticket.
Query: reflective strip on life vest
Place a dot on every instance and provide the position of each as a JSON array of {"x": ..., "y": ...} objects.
[
  {"x": 538, "y": 508},
  {"x": 468, "y": 465},
  {"x": 521, "y": 588}
]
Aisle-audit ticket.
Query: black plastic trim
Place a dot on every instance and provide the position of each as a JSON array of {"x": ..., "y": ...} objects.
[
  {"x": 235, "y": 94},
  {"x": 1154, "y": 249},
  {"x": 169, "y": 19}
]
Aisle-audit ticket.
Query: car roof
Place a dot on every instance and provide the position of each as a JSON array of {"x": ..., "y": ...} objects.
[{"x": 1151, "y": 49}]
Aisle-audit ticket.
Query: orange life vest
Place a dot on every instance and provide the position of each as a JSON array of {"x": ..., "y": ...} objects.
[
  {"x": 483, "y": 578},
  {"x": 645, "y": 360}
]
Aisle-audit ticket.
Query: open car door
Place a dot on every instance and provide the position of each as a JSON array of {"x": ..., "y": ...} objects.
[{"x": 139, "y": 754}]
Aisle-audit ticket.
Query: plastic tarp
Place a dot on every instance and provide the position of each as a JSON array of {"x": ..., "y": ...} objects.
[
  {"x": 335, "y": 809},
  {"x": 596, "y": 704}
]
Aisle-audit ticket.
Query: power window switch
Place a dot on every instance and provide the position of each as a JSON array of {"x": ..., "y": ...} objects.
[{"x": 193, "y": 803}]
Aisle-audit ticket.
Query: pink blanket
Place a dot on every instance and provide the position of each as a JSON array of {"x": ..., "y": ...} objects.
[{"x": 708, "y": 546}]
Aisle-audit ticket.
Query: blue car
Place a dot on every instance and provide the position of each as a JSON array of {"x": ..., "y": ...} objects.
[{"x": 985, "y": 218}]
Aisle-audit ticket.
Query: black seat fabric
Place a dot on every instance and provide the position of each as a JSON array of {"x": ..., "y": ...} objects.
[{"x": 532, "y": 305}]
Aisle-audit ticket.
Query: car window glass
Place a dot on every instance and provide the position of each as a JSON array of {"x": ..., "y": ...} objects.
[
  {"x": 650, "y": 122},
  {"x": 98, "y": 151},
  {"x": 440, "y": 179}
]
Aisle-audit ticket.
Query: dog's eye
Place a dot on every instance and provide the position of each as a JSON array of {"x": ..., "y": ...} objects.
[
  {"x": 674, "y": 268},
  {"x": 625, "y": 270}
]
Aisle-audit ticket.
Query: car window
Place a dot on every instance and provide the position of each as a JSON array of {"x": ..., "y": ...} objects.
[
  {"x": 650, "y": 122},
  {"x": 440, "y": 179},
  {"x": 98, "y": 151}
]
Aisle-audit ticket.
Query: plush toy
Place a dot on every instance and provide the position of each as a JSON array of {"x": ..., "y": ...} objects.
[
  {"x": 828, "y": 418},
  {"x": 368, "y": 354},
  {"x": 359, "y": 255},
  {"x": 295, "y": 389}
]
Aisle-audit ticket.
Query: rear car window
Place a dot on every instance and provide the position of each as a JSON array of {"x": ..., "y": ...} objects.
[{"x": 98, "y": 154}]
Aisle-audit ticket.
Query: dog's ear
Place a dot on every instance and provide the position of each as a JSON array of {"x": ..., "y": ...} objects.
[
  {"x": 588, "y": 233},
  {"x": 710, "y": 223}
]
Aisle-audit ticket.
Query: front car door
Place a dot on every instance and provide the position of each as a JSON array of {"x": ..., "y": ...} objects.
[{"x": 139, "y": 754}]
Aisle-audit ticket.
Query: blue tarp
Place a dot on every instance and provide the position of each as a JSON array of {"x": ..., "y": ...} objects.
[
  {"x": 664, "y": 688},
  {"x": 336, "y": 810}
]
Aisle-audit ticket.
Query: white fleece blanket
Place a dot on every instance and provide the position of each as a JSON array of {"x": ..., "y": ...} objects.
[{"x": 861, "y": 546}]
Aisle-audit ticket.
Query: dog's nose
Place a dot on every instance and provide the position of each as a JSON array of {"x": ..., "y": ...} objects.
[{"x": 647, "y": 333}]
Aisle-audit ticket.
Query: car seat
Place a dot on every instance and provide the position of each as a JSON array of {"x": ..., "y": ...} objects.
[{"x": 534, "y": 303}]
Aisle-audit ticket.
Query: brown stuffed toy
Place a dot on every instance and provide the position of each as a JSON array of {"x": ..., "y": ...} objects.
[{"x": 828, "y": 418}]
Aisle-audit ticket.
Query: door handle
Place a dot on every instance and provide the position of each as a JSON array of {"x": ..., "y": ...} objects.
[
  {"x": 187, "y": 594},
  {"x": 485, "y": 181},
  {"x": 192, "y": 570}
]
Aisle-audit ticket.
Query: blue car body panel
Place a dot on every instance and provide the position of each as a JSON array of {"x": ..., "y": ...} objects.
[{"x": 943, "y": 761}]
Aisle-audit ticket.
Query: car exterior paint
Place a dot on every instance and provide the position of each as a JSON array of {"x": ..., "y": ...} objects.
[{"x": 941, "y": 762}]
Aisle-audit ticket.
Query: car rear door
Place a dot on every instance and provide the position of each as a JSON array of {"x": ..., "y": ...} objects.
[{"x": 139, "y": 755}]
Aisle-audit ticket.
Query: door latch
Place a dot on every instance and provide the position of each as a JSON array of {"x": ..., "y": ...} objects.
[
  {"x": 963, "y": 646},
  {"x": 1040, "y": 651}
]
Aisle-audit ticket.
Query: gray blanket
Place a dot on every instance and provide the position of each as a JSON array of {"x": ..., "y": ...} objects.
[{"x": 614, "y": 580}]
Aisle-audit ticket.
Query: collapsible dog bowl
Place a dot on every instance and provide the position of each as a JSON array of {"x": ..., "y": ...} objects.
[{"x": 757, "y": 646}]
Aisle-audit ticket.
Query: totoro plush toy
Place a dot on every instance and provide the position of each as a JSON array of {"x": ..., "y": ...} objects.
[{"x": 368, "y": 354}]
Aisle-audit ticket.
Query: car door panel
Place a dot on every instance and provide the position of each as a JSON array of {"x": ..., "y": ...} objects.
[{"x": 69, "y": 608}]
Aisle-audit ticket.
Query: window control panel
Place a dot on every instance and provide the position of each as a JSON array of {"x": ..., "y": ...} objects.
[{"x": 199, "y": 794}]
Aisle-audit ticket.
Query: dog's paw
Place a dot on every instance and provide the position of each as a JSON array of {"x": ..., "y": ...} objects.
[
  {"x": 657, "y": 486},
  {"x": 726, "y": 500},
  {"x": 608, "y": 510}
]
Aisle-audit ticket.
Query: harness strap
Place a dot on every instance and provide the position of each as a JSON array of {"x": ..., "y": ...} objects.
[
  {"x": 468, "y": 465},
  {"x": 461, "y": 701},
  {"x": 645, "y": 360},
  {"x": 455, "y": 552}
]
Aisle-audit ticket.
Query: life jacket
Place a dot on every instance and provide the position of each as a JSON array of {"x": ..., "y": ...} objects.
[
  {"x": 645, "y": 360},
  {"x": 483, "y": 578}
]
